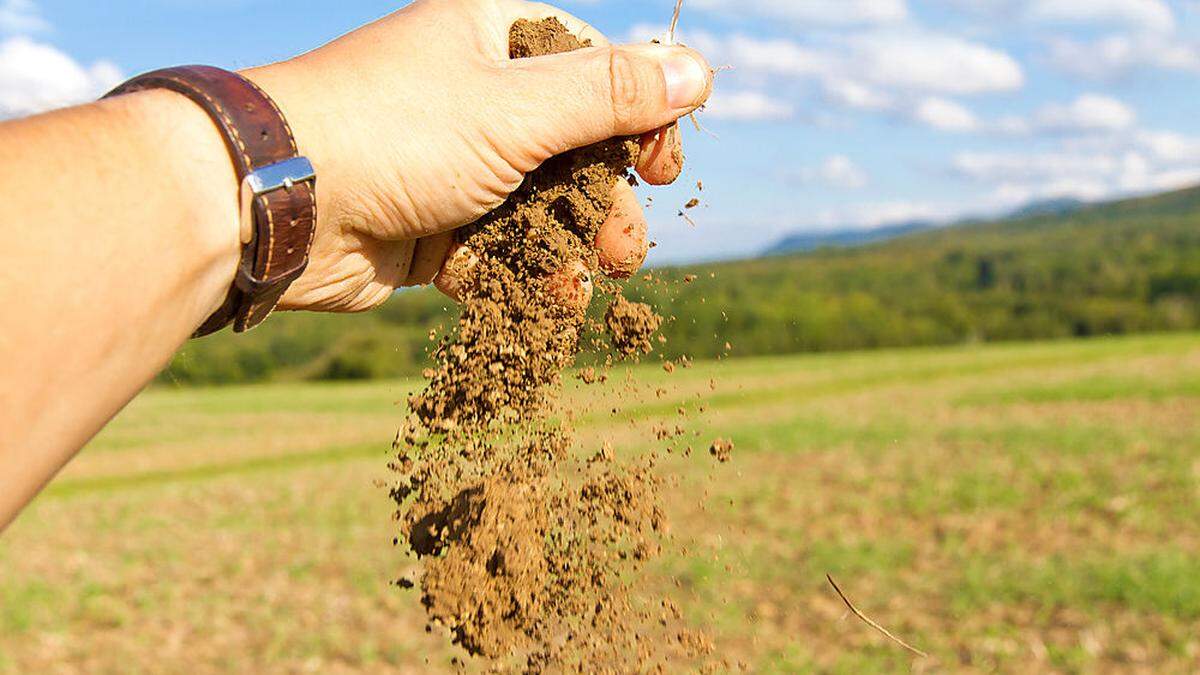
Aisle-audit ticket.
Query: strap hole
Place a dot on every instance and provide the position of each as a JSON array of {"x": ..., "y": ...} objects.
[{"x": 265, "y": 134}]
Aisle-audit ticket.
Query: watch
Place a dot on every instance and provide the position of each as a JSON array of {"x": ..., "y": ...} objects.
[{"x": 278, "y": 206}]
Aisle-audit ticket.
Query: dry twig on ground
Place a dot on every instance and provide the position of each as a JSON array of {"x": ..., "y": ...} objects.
[{"x": 866, "y": 619}]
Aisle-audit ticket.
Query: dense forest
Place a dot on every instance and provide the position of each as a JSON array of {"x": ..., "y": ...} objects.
[{"x": 1116, "y": 268}]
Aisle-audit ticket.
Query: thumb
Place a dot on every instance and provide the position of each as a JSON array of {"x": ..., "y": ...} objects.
[{"x": 586, "y": 96}]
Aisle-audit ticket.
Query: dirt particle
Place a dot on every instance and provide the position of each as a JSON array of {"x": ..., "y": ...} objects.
[
  {"x": 590, "y": 375},
  {"x": 722, "y": 449}
]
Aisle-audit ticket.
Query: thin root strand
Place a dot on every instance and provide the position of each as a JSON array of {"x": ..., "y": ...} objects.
[{"x": 871, "y": 623}]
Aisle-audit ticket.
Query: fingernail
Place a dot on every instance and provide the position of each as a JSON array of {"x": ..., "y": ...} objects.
[{"x": 686, "y": 80}]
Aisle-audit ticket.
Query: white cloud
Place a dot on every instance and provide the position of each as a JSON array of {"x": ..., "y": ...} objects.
[
  {"x": 35, "y": 77},
  {"x": 837, "y": 171},
  {"x": 815, "y": 12},
  {"x": 1117, "y": 55},
  {"x": 945, "y": 115},
  {"x": 1090, "y": 168},
  {"x": 876, "y": 214},
  {"x": 900, "y": 60},
  {"x": 1088, "y": 113},
  {"x": 920, "y": 61},
  {"x": 1029, "y": 167},
  {"x": 20, "y": 16},
  {"x": 746, "y": 106},
  {"x": 1168, "y": 146},
  {"x": 775, "y": 57},
  {"x": 854, "y": 94},
  {"x": 980, "y": 7},
  {"x": 1154, "y": 15},
  {"x": 906, "y": 73}
]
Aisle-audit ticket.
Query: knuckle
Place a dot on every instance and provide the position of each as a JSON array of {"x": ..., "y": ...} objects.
[{"x": 626, "y": 88}]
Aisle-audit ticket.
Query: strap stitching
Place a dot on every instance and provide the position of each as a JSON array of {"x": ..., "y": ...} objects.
[
  {"x": 245, "y": 155},
  {"x": 237, "y": 137},
  {"x": 312, "y": 231},
  {"x": 291, "y": 137}
]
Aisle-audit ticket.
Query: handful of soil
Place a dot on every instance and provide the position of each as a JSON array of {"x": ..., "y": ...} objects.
[{"x": 527, "y": 547}]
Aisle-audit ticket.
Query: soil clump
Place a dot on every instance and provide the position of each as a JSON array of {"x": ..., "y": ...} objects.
[{"x": 527, "y": 544}]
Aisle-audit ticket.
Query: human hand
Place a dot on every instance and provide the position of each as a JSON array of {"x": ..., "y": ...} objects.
[{"x": 419, "y": 124}]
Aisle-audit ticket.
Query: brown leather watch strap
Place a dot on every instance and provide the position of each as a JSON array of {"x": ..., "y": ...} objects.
[{"x": 278, "y": 186}]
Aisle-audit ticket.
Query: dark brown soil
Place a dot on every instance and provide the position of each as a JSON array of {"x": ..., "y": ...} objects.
[{"x": 527, "y": 545}]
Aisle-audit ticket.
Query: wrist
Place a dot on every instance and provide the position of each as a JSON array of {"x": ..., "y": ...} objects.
[
  {"x": 315, "y": 138},
  {"x": 197, "y": 183}
]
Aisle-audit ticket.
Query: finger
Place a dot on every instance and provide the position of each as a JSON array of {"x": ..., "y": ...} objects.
[
  {"x": 622, "y": 243},
  {"x": 661, "y": 159},
  {"x": 567, "y": 101},
  {"x": 456, "y": 269},
  {"x": 428, "y": 258},
  {"x": 536, "y": 11},
  {"x": 572, "y": 286}
]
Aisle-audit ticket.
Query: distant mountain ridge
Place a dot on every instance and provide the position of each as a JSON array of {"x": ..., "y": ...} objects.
[
  {"x": 812, "y": 241},
  {"x": 802, "y": 242},
  {"x": 1050, "y": 207}
]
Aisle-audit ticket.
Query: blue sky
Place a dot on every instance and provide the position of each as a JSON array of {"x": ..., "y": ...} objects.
[{"x": 837, "y": 113}]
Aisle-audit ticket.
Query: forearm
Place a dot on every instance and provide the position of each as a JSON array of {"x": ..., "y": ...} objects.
[
  {"x": 119, "y": 220},
  {"x": 120, "y": 235}
]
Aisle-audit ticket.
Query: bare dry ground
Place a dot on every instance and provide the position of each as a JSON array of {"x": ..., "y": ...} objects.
[{"x": 1025, "y": 508}]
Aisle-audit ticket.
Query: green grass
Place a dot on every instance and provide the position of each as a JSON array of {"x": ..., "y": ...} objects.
[{"x": 1010, "y": 508}]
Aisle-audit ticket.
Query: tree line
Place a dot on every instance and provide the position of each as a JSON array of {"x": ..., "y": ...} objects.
[{"x": 1124, "y": 267}]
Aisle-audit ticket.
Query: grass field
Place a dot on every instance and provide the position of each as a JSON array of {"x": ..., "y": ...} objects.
[{"x": 1023, "y": 508}]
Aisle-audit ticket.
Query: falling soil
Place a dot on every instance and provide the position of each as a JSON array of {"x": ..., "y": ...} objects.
[
  {"x": 722, "y": 449},
  {"x": 527, "y": 544},
  {"x": 631, "y": 326}
]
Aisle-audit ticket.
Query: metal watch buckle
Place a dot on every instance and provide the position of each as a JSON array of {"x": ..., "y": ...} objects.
[
  {"x": 264, "y": 180},
  {"x": 278, "y": 176}
]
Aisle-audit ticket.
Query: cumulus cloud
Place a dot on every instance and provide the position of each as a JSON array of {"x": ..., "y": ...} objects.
[
  {"x": 1153, "y": 15},
  {"x": 838, "y": 171},
  {"x": 756, "y": 56},
  {"x": 21, "y": 16},
  {"x": 1088, "y": 113},
  {"x": 1098, "y": 39},
  {"x": 815, "y": 12},
  {"x": 1117, "y": 55},
  {"x": 920, "y": 61},
  {"x": 900, "y": 60},
  {"x": 747, "y": 106},
  {"x": 35, "y": 77},
  {"x": 945, "y": 115},
  {"x": 904, "y": 72},
  {"x": 876, "y": 214},
  {"x": 1167, "y": 146},
  {"x": 1093, "y": 168},
  {"x": 853, "y": 94}
]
